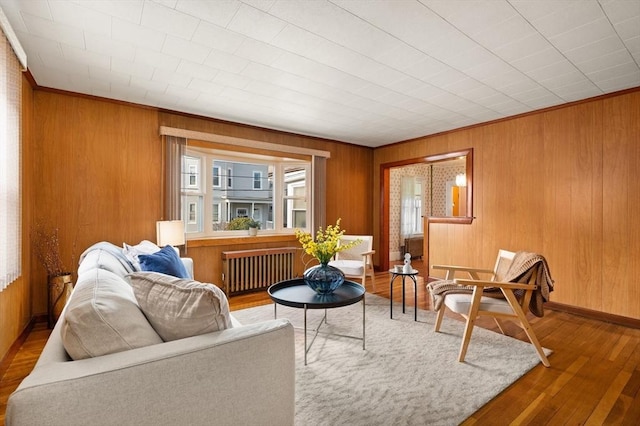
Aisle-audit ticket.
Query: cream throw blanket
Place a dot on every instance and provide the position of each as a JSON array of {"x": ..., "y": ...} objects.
[{"x": 522, "y": 267}]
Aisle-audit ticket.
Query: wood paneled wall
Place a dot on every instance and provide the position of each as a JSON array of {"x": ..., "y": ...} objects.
[
  {"x": 561, "y": 182},
  {"x": 98, "y": 165}
]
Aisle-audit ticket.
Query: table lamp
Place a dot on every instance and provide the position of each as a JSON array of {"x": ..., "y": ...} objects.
[{"x": 170, "y": 233}]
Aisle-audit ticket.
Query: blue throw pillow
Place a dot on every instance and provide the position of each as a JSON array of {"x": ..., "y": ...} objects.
[{"x": 165, "y": 261}]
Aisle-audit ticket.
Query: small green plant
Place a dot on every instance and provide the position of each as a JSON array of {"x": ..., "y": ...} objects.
[{"x": 239, "y": 223}]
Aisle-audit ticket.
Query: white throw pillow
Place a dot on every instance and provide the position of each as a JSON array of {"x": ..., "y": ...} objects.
[
  {"x": 102, "y": 317},
  {"x": 178, "y": 308},
  {"x": 132, "y": 252}
]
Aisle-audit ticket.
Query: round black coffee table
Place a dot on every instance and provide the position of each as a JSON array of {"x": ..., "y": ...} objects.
[{"x": 296, "y": 294}]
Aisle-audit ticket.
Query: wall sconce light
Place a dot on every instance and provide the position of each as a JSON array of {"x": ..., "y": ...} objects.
[
  {"x": 461, "y": 179},
  {"x": 170, "y": 233}
]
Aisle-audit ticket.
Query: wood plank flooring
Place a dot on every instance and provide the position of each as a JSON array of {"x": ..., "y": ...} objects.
[{"x": 594, "y": 378}]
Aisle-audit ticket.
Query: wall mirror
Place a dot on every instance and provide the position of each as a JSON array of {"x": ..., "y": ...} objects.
[
  {"x": 433, "y": 189},
  {"x": 450, "y": 187}
]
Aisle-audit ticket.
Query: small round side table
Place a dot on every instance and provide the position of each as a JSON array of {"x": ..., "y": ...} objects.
[{"x": 394, "y": 274}]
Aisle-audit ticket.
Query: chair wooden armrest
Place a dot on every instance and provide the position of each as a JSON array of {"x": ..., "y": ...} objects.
[
  {"x": 452, "y": 269},
  {"x": 368, "y": 253},
  {"x": 501, "y": 284}
]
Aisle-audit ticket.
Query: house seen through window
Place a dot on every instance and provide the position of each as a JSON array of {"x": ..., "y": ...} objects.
[{"x": 219, "y": 187}]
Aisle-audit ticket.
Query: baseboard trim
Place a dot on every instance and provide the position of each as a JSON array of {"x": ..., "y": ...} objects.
[
  {"x": 15, "y": 347},
  {"x": 597, "y": 315}
]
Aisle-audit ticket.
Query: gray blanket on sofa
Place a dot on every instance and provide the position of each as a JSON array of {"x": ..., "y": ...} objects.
[{"x": 113, "y": 250}]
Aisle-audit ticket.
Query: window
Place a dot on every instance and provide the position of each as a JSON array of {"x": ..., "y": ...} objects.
[
  {"x": 257, "y": 180},
  {"x": 216, "y": 176},
  {"x": 10, "y": 161},
  {"x": 271, "y": 190},
  {"x": 192, "y": 165}
]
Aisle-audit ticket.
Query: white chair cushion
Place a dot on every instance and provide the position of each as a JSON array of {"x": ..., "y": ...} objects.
[
  {"x": 461, "y": 303},
  {"x": 349, "y": 267}
]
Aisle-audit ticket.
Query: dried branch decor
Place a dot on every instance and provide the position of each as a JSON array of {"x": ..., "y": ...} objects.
[{"x": 47, "y": 248}]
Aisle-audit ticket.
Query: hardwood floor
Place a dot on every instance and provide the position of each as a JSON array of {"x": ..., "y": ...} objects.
[{"x": 594, "y": 377}]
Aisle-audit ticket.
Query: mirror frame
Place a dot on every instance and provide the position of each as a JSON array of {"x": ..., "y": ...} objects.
[
  {"x": 468, "y": 153},
  {"x": 385, "y": 168}
]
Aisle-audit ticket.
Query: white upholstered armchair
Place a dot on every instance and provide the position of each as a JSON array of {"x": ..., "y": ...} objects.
[{"x": 356, "y": 262}]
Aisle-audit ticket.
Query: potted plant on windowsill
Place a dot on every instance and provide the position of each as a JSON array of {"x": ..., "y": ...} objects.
[
  {"x": 254, "y": 225},
  {"x": 47, "y": 249}
]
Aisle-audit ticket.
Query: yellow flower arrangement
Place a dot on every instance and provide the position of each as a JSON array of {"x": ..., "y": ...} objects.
[{"x": 326, "y": 243}]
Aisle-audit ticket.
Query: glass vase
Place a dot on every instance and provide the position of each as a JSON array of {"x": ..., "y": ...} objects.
[{"x": 323, "y": 278}]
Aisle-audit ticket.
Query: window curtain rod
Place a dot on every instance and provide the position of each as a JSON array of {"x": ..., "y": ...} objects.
[{"x": 230, "y": 140}]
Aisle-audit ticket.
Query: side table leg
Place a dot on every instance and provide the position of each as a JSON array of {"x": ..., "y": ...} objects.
[
  {"x": 403, "y": 294},
  {"x": 415, "y": 297},
  {"x": 363, "y": 322},
  {"x": 305, "y": 334},
  {"x": 393, "y": 276}
]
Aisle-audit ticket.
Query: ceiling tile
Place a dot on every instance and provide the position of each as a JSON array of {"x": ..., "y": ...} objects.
[
  {"x": 359, "y": 71},
  {"x": 142, "y": 37},
  {"x": 76, "y": 16},
  {"x": 170, "y": 21},
  {"x": 181, "y": 48},
  {"x": 226, "y": 61},
  {"x": 218, "y": 12},
  {"x": 128, "y": 10},
  {"x": 157, "y": 60},
  {"x": 138, "y": 70},
  {"x": 53, "y": 31},
  {"x": 217, "y": 37},
  {"x": 109, "y": 47},
  {"x": 256, "y": 24}
]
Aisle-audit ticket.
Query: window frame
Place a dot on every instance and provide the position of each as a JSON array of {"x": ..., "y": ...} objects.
[{"x": 274, "y": 213}]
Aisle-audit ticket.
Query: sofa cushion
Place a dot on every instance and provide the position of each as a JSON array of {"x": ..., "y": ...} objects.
[
  {"x": 178, "y": 308},
  {"x": 143, "y": 247},
  {"x": 166, "y": 261},
  {"x": 103, "y": 317}
]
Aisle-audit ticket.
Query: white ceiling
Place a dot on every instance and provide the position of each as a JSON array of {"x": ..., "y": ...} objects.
[{"x": 367, "y": 72}]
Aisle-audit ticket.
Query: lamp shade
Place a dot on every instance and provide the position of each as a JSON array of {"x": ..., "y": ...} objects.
[{"x": 170, "y": 233}]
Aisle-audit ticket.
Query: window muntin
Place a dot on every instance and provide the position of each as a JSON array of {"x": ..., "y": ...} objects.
[{"x": 271, "y": 190}]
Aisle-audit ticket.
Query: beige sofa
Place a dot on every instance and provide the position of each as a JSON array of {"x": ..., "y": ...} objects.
[{"x": 243, "y": 375}]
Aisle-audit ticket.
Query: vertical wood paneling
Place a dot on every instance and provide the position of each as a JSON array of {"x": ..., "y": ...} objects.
[
  {"x": 621, "y": 186},
  {"x": 98, "y": 168},
  {"x": 574, "y": 135},
  {"x": 562, "y": 182}
]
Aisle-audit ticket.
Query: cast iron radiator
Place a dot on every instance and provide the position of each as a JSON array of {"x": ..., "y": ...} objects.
[
  {"x": 414, "y": 246},
  {"x": 250, "y": 270}
]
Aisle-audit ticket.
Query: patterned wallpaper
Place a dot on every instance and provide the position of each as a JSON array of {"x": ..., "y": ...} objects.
[{"x": 442, "y": 172}]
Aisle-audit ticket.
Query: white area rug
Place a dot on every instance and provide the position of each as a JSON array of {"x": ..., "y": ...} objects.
[{"x": 408, "y": 374}]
